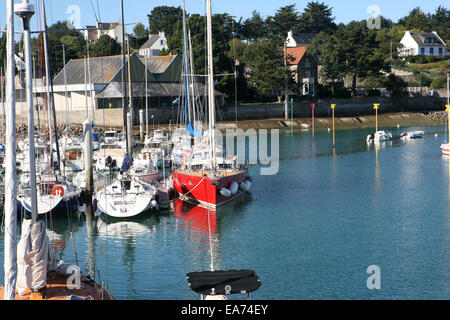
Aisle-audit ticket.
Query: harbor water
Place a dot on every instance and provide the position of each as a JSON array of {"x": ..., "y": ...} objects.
[{"x": 310, "y": 231}]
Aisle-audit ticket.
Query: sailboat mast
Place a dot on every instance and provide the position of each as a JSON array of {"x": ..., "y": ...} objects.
[
  {"x": 26, "y": 13},
  {"x": 3, "y": 106},
  {"x": 211, "y": 99},
  {"x": 124, "y": 106},
  {"x": 47, "y": 81},
  {"x": 91, "y": 89},
  {"x": 10, "y": 258},
  {"x": 65, "y": 91},
  {"x": 185, "y": 62},
  {"x": 129, "y": 133},
  {"x": 85, "y": 89},
  {"x": 146, "y": 98},
  {"x": 192, "y": 78}
]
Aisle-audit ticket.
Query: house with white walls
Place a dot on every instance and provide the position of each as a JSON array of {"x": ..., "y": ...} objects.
[
  {"x": 299, "y": 39},
  {"x": 154, "y": 44},
  {"x": 112, "y": 29},
  {"x": 423, "y": 44}
]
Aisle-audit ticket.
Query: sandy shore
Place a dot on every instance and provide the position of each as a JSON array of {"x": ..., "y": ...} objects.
[{"x": 384, "y": 120}]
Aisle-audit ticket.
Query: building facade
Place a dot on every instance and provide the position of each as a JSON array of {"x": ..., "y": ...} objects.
[
  {"x": 112, "y": 29},
  {"x": 423, "y": 44},
  {"x": 303, "y": 65},
  {"x": 154, "y": 44}
]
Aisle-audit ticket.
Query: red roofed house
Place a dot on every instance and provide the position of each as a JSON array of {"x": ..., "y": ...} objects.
[{"x": 301, "y": 63}]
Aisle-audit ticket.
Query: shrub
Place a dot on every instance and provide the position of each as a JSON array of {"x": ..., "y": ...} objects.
[
  {"x": 396, "y": 86},
  {"x": 439, "y": 83}
]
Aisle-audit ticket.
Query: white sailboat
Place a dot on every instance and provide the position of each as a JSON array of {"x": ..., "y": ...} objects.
[
  {"x": 31, "y": 272},
  {"x": 126, "y": 197},
  {"x": 56, "y": 194}
]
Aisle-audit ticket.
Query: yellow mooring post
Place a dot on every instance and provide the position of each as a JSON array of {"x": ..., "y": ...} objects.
[
  {"x": 447, "y": 109},
  {"x": 376, "y": 106},
  {"x": 332, "y": 109}
]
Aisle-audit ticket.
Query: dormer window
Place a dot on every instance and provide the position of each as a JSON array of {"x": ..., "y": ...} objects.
[{"x": 430, "y": 40}]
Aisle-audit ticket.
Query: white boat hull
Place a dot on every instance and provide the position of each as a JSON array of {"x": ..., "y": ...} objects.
[{"x": 118, "y": 203}]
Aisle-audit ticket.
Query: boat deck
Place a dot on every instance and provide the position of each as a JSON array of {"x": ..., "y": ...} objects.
[
  {"x": 57, "y": 289},
  {"x": 202, "y": 173}
]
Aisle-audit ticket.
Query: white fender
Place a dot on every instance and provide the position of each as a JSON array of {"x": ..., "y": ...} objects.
[
  {"x": 245, "y": 186},
  {"x": 234, "y": 187},
  {"x": 225, "y": 192}
]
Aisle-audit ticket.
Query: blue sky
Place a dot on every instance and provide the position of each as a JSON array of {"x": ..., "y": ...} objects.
[{"x": 137, "y": 10}]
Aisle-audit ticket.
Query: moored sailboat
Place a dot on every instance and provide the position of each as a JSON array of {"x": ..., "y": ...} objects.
[
  {"x": 31, "y": 272},
  {"x": 212, "y": 181}
]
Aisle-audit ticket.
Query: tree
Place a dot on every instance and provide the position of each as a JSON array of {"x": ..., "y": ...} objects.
[
  {"x": 164, "y": 18},
  {"x": 361, "y": 53},
  {"x": 332, "y": 53},
  {"x": 396, "y": 86},
  {"x": 222, "y": 25},
  {"x": 416, "y": 20},
  {"x": 60, "y": 34},
  {"x": 353, "y": 50},
  {"x": 286, "y": 19},
  {"x": 105, "y": 46},
  {"x": 317, "y": 17},
  {"x": 440, "y": 22},
  {"x": 389, "y": 39},
  {"x": 254, "y": 28},
  {"x": 139, "y": 31},
  {"x": 139, "y": 37},
  {"x": 269, "y": 75}
]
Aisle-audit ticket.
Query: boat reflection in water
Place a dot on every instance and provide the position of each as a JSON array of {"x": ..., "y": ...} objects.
[
  {"x": 199, "y": 229},
  {"x": 126, "y": 229},
  {"x": 200, "y": 219}
]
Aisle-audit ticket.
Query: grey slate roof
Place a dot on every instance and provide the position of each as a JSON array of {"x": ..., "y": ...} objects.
[
  {"x": 420, "y": 39},
  {"x": 155, "y": 89},
  {"x": 151, "y": 40},
  {"x": 303, "y": 37},
  {"x": 103, "y": 70},
  {"x": 157, "y": 64}
]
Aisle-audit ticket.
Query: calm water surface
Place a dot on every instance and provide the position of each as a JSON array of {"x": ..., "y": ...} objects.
[{"x": 309, "y": 232}]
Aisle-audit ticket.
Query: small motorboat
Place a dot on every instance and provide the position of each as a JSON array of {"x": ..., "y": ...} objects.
[
  {"x": 378, "y": 136},
  {"x": 445, "y": 148},
  {"x": 412, "y": 135}
]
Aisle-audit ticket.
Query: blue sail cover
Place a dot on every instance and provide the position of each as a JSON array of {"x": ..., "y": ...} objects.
[{"x": 127, "y": 162}]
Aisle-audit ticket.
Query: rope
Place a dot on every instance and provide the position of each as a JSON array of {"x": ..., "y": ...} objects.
[{"x": 183, "y": 195}]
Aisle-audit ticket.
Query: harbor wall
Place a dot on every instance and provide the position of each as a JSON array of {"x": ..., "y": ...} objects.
[{"x": 168, "y": 115}]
